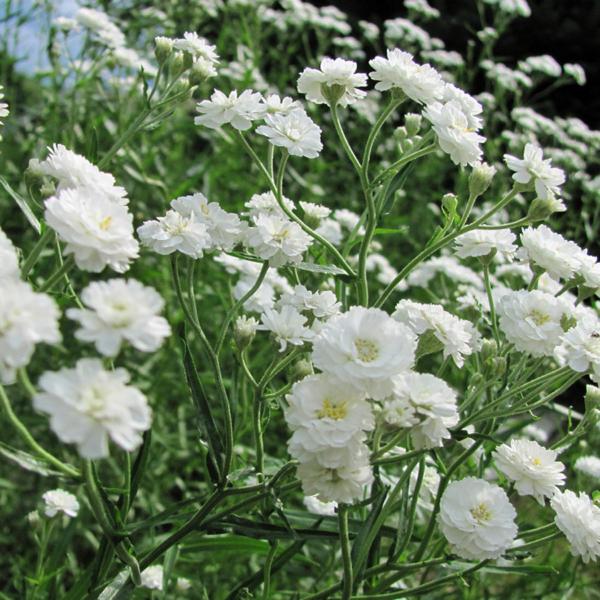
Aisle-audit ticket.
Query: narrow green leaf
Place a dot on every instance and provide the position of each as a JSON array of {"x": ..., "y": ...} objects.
[
  {"x": 22, "y": 204},
  {"x": 27, "y": 461}
]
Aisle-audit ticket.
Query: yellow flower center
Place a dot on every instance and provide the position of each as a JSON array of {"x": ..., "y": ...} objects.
[
  {"x": 332, "y": 410},
  {"x": 536, "y": 461},
  {"x": 481, "y": 513},
  {"x": 367, "y": 350},
  {"x": 539, "y": 318},
  {"x": 105, "y": 223}
]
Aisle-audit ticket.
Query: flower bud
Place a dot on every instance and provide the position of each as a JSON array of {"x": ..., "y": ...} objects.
[
  {"x": 480, "y": 179},
  {"x": 406, "y": 145},
  {"x": 540, "y": 210},
  {"x": 303, "y": 368},
  {"x": 244, "y": 331},
  {"x": 176, "y": 64},
  {"x": 400, "y": 133},
  {"x": 201, "y": 70},
  {"x": 449, "y": 203},
  {"x": 489, "y": 350},
  {"x": 412, "y": 123},
  {"x": 163, "y": 47}
]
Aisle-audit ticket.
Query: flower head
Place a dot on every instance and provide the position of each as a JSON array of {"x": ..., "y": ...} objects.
[
  {"x": 121, "y": 310},
  {"x": 336, "y": 82},
  {"x": 56, "y": 501},
  {"x": 533, "y": 168},
  {"x": 9, "y": 262},
  {"x": 88, "y": 404},
  {"x": 294, "y": 131},
  {"x": 480, "y": 242},
  {"x": 287, "y": 325},
  {"x": 533, "y": 468},
  {"x": 366, "y": 348},
  {"x": 27, "y": 318},
  {"x": 239, "y": 111},
  {"x": 477, "y": 519},
  {"x": 97, "y": 231},
  {"x": 579, "y": 519}
]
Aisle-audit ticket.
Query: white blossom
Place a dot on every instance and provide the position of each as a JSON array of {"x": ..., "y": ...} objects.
[
  {"x": 533, "y": 468},
  {"x": 421, "y": 83},
  {"x": 480, "y": 242},
  {"x": 239, "y": 111},
  {"x": 97, "y": 231},
  {"x": 579, "y": 519},
  {"x": 153, "y": 577},
  {"x": 120, "y": 310},
  {"x": 366, "y": 348},
  {"x": 27, "y": 318},
  {"x": 9, "y": 262},
  {"x": 197, "y": 47},
  {"x": 588, "y": 465},
  {"x": 294, "y": 131},
  {"x": 532, "y": 167},
  {"x": 88, "y": 404},
  {"x": 335, "y": 76},
  {"x": 287, "y": 325},
  {"x": 477, "y": 519},
  {"x": 532, "y": 321},
  {"x": 58, "y": 500}
]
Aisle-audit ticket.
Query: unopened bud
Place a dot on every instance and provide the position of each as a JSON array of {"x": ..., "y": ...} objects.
[
  {"x": 244, "y": 331},
  {"x": 201, "y": 70},
  {"x": 303, "y": 368},
  {"x": 540, "y": 210},
  {"x": 412, "y": 123},
  {"x": 401, "y": 133},
  {"x": 407, "y": 145},
  {"x": 176, "y": 64},
  {"x": 480, "y": 179},
  {"x": 489, "y": 350},
  {"x": 163, "y": 47},
  {"x": 449, "y": 203}
]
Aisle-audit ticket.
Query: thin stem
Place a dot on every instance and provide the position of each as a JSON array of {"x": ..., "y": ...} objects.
[
  {"x": 346, "y": 551},
  {"x": 30, "y": 441},
  {"x": 408, "y": 158},
  {"x": 36, "y": 251},
  {"x": 490, "y": 297},
  {"x": 236, "y": 307},
  {"x": 267, "y": 571},
  {"x": 346, "y": 146},
  {"x": 468, "y": 209},
  {"x": 59, "y": 274}
]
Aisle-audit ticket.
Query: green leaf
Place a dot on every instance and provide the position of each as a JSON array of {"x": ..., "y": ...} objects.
[
  {"x": 229, "y": 544},
  {"x": 206, "y": 422},
  {"x": 22, "y": 204},
  {"x": 323, "y": 269},
  {"x": 120, "y": 588},
  {"x": 27, "y": 461}
]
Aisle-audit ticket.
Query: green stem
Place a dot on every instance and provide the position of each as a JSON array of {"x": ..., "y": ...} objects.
[
  {"x": 236, "y": 307},
  {"x": 36, "y": 251},
  {"x": 59, "y": 274},
  {"x": 347, "y": 148},
  {"x": 468, "y": 209},
  {"x": 490, "y": 297},
  {"x": 346, "y": 551},
  {"x": 23, "y": 432},
  {"x": 267, "y": 571},
  {"x": 408, "y": 158}
]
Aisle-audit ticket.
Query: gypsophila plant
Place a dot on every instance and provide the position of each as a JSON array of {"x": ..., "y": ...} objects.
[{"x": 284, "y": 312}]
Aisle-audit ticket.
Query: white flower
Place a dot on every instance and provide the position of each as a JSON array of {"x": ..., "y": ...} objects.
[
  {"x": 287, "y": 326},
  {"x": 277, "y": 240},
  {"x": 317, "y": 507},
  {"x": 295, "y": 131},
  {"x": 589, "y": 465},
  {"x": 532, "y": 320},
  {"x": 153, "y": 577},
  {"x": 9, "y": 262},
  {"x": 366, "y": 348},
  {"x": 176, "y": 233},
  {"x": 575, "y": 71},
  {"x": 56, "y": 501},
  {"x": 331, "y": 230},
  {"x": 458, "y": 337},
  {"x": 579, "y": 519},
  {"x": 424, "y": 401},
  {"x": 422, "y": 7},
  {"x": 344, "y": 484},
  {"x": 88, "y": 404},
  {"x": 580, "y": 346},
  {"x": 100, "y": 24},
  {"x": 550, "y": 251},
  {"x": 480, "y": 242},
  {"x": 98, "y": 231},
  {"x": 198, "y": 47},
  {"x": 321, "y": 304},
  {"x": 338, "y": 77},
  {"x": 470, "y": 107},
  {"x": 117, "y": 311},
  {"x": 546, "y": 179},
  {"x": 314, "y": 211},
  {"x": 533, "y": 468},
  {"x": 4, "y": 112},
  {"x": 544, "y": 64},
  {"x": 449, "y": 267},
  {"x": 421, "y": 83},
  {"x": 239, "y": 111},
  {"x": 182, "y": 584},
  {"x": 454, "y": 131},
  {"x": 277, "y": 105},
  {"x": 324, "y": 412},
  {"x": 225, "y": 229},
  {"x": 266, "y": 203},
  {"x": 75, "y": 171},
  {"x": 27, "y": 318},
  {"x": 477, "y": 519}
]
